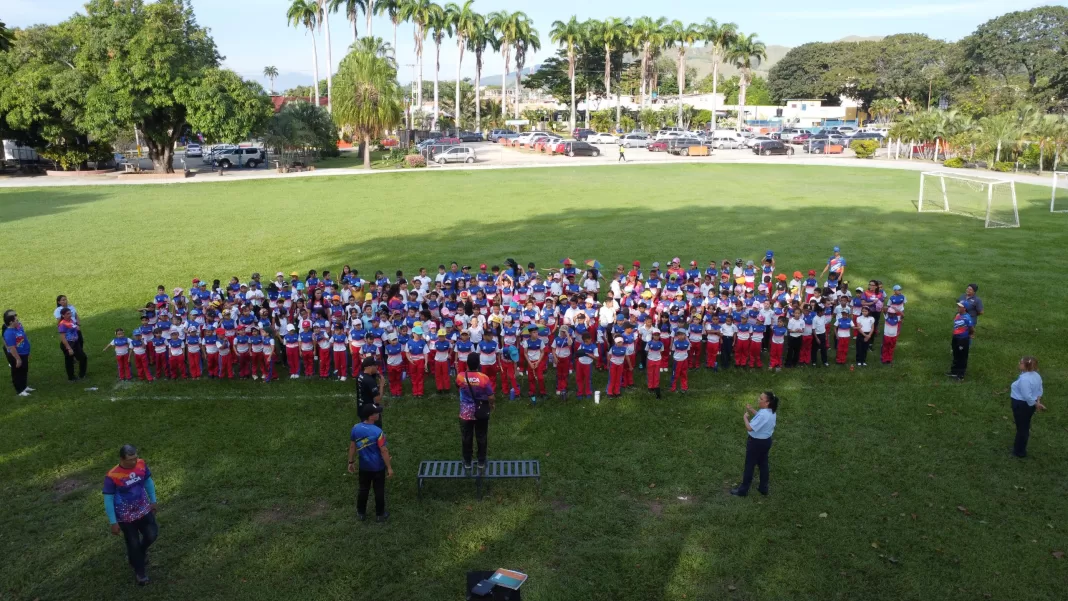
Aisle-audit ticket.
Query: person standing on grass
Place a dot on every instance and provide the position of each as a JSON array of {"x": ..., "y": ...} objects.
[
  {"x": 61, "y": 303},
  {"x": 1026, "y": 394},
  {"x": 368, "y": 440},
  {"x": 758, "y": 445},
  {"x": 476, "y": 403},
  {"x": 865, "y": 330},
  {"x": 622, "y": 153},
  {"x": 70, "y": 342},
  {"x": 17, "y": 351},
  {"x": 130, "y": 504},
  {"x": 963, "y": 330},
  {"x": 836, "y": 265},
  {"x": 369, "y": 386},
  {"x": 973, "y": 305}
]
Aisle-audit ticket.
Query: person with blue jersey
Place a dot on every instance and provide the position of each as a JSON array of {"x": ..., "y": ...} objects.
[
  {"x": 760, "y": 428},
  {"x": 368, "y": 440},
  {"x": 130, "y": 505},
  {"x": 70, "y": 342},
  {"x": 17, "y": 351},
  {"x": 973, "y": 305},
  {"x": 836, "y": 265},
  {"x": 963, "y": 328}
]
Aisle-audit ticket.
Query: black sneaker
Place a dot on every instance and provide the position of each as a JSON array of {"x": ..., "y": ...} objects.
[
  {"x": 142, "y": 580},
  {"x": 383, "y": 517},
  {"x": 361, "y": 517},
  {"x": 738, "y": 492}
]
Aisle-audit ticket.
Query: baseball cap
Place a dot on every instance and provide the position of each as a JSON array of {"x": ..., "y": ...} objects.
[
  {"x": 797, "y": 274},
  {"x": 637, "y": 263},
  {"x": 960, "y": 304},
  {"x": 290, "y": 328},
  {"x": 693, "y": 263},
  {"x": 769, "y": 254},
  {"x": 656, "y": 332},
  {"x": 482, "y": 266},
  {"x": 442, "y": 332},
  {"x": 369, "y": 409},
  {"x": 294, "y": 274},
  {"x": 279, "y": 275},
  {"x": 811, "y": 272},
  {"x": 619, "y": 340},
  {"x": 675, "y": 260},
  {"x": 836, "y": 249},
  {"x": 897, "y": 286},
  {"x": 656, "y": 264}
]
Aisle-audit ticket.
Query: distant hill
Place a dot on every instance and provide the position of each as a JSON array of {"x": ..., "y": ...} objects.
[{"x": 495, "y": 80}]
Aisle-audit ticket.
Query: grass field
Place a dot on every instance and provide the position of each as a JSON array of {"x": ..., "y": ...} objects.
[{"x": 912, "y": 470}]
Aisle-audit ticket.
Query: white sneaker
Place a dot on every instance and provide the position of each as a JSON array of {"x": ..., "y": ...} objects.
[
  {"x": 255, "y": 377},
  {"x": 343, "y": 378},
  {"x": 292, "y": 376},
  {"x": 25, "y": 393},
  {"x": 28, "y": 389}
]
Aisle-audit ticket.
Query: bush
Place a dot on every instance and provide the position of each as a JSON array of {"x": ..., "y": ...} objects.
[
  {"x": 415, "y": 160},
  {"x": 954, "y": 163},
  {"x": 1004, "y": 166},
  {"x": 69, "y": 158},
  {"x": 865, "y": 149},
  {"x": 330, "y": 151}
]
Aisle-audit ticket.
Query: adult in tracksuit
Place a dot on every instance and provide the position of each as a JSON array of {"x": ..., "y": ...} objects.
[
  {"x": 130, "y": 504},
  {"x": 758, "y": 444}
]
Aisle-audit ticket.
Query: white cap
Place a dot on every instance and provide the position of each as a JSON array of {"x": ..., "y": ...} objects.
[
  {"x": 290, "y": 328},
  {"x": 619, "y": 340}
]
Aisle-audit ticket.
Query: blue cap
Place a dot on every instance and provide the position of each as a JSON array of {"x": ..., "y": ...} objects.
[
  {"x": 836, "y": 249},
  {"x": 897, "y": 286},
  {"x": 769, "y": 254}
]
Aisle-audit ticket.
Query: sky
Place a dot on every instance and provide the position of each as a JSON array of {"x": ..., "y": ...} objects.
[{"x": 252, "y": 35}]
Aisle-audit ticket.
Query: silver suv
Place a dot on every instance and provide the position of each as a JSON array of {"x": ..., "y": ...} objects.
[
  {"x": 243, "y": 157},
  {"x": 456, "y": 154}
]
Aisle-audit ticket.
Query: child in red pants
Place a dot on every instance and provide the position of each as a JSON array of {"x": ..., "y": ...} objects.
[
  {"x": 536, "y": 362},
  {"x": 292, "y": 342},
  {"x": 307, "y": 352},
  {"x": 394, "y": 365},
  {"x": 415, "y": 353},
  {"x": 843, "y": 332},
  {"x": 890, "y": 328},
  {"x": 442, "y": 355},
  {"x": 226, "y": 359},
  {"x": 176, "y": 356},
  {"x": 243, "y": 354},
  {"x": 140, "y": 354},
  {"x": 267, "y": 358},
  {"x": 778, "y": 338},
  {"x": 122, "y": 353},
  {"x": 586, "y": 356},
  {"x": 680, "y": 352},
  {"x": 756, "y": 345},
  {"x": 192, "y": 350},
  {"x": 695, "y": 334},
  {"x": 712, "y": 334},
  {"x": 509, "y": 357},
  {"x": 654, "y": 361},
  {"x": 322, "y": 340},
  {"x": 211, "y": 353},
  {"x": 159, "y": 354},
  {"x": 617, "y": 356},
  {"x": 741, "y": 344},
  {"x": 562, "y": 350},
  {"x": 338, "y": 343},
  {"x": 256, "y": 356}
]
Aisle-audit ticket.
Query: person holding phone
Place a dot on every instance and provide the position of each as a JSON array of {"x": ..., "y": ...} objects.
[
  {"x": 477, "y": 401},
  {"x": 758, "y": 445}
]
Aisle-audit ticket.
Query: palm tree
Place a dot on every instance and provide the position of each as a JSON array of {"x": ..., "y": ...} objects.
[
  {"x": 352, "y": 11},
  {"x": 587, "y": 42},
  {"x": 479, "y": 37},
  {"x": 392, "y": 9},
  {"x": 569, "y": 35},
  {"x": 369, "y": 99},
  {"x": 1000, "y": 131},
  {"x": 745, "y": 53},
  {"x": 884, "y": 109},
  {"x": 528, "y": 39},
  {"x": 271, "y": 72},
  {"x": 720, "y": 37},
  {"x": 324, "y": 19},
  {"x": 376, "y": 46},
  {"x": 463, "y": 21},
  {"x": 6, "y": 37},
  {"x": 439, "y": 27},
  {"x": 647, "y": 37},
  {"x": 612, "y": 34},
  {"x": 507, "y": 25},
  {"x": 305, "y": 13},
  {"x": 419, "y": 12},
  {"x": 679, "y": 35}
]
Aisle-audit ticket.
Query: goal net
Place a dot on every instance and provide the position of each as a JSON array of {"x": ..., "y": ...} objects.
[
  {"x": 1058, "y": 202},
  {"x": 988, "y": 198}
]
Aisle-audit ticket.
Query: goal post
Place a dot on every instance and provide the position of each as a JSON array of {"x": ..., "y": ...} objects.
[
  {"x": 991, "y": 199},
  {"x": 1058, "y": 201}
]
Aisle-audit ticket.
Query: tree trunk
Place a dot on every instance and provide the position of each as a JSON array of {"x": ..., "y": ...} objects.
[
  {"x": 456, "y": 106},
  {"x": 329, "y": 72},
  {"x": 608, "y": 75},
  {"x": 315, "y": 65},
  {"x": 682, "y": 83},
  {"x": 997, "y": 155},
  {"x": 742, "y": 85},
  {"x": 715, "y": 84},
  {"x": 587, "y": 107},
  {"x": 518, "y": 70},
  {"x": 418, "y": 67},
  {"x": 571, "y": 60},
  {"x": 437, "y": 70},
  {"x": 478, "y": 102},
  {"x": 366, "y": 151},
  {"x": 1041, "y": 157},
  {"x": 355, "y": 33},
  {"x": 395, "y": 41},
  {"x": 370, "y": 11},
  {"x": 619, "y": 115},
  {"x": 504, "y": 84},
  {"x": 645, "y": 69}
]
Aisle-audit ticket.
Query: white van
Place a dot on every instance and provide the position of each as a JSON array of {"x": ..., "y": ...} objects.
[{"x": 14, "y": 153}]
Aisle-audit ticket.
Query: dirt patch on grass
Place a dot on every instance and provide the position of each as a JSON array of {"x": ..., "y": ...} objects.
[
  {"x": 271, "y": 516},
  {"x": 560, "y": 505},
  {"x": 657, "y": 508},
  {"x": 318, "y": 508},
  {"x": 66, "y": 486}
]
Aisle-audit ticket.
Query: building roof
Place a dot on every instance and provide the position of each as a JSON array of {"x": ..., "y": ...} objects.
[{"x": 279, "y": 101}]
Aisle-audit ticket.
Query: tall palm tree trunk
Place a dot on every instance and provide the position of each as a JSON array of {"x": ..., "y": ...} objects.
[
  {"x": 571, "y": 61},
  {"x": 682, "y": 83},
  {"x": 437, "y": 71},
  {"x": 355, "y": 32},
  {"x": 329, "y": 71},
  {"x": 315, "y": 70},
  {"x": 715, "y": 84},
  {"x": 504, "y": 84},
  {"x": 743, "y": 84},
  {"x": 395, "y": 23},
  {"x": 608, "y": 76},
  {"x": 645, "y": 72},
  {"x": 456, "y": 101},
  {"x": 370, "y": 11},
  {"x": 478, "y": 102},
  {"x": 418, "y": 67},
  {"x": 587, "y": 107}
]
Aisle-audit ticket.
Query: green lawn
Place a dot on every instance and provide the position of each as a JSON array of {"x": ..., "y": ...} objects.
[{"x": 921, "y": 497}]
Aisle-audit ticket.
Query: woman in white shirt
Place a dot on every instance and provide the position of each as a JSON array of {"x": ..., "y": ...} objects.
[
  {"x": 758, "y": 445},
  {"x": 865, "y": 330},
  {"x": 795, "y": 328}
]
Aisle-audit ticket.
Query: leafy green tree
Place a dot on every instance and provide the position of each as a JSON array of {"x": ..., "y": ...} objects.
[
  {"x": 369, "y": 100},
  {"x": 1030, "y": 41},
  {"x": 225, "y": 107},
  {"x": 6, "y": 37}
]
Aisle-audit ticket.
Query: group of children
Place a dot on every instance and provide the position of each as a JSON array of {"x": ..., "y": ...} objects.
[{"x": 518, "y": 321}]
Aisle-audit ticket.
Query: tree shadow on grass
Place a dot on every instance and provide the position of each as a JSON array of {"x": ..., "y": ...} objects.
[{"x": 27, "y": 203}]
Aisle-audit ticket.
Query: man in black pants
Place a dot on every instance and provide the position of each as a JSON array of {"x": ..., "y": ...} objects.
[
  {"x": 375, "y": 462},
  {"x": 476, "y": 403},
  {"x": 963, "y": 330}
]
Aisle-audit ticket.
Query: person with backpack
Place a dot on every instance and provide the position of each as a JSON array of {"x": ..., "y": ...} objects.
[{"x": 477, "y": 401}]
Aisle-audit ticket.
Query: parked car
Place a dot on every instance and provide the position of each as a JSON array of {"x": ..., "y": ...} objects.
[
  {"x": 431, "y": 151},
  {"x": 496, "y": 134},
  {"x": 773, "y": 147},
  {"x": 845, "y": 130},
  {"x": 216, "y": 149},
  {"x": 505, "y": 138},
  {"x": 241, "y": 157},
  {"x": 789, "y": 133},
  {"x": 757, "y": 140},
  {"x": 682, "y": 146},
  {"x": 578, "y": 148},
  {"x": 581, "y": 133},
  {"x": 634, "y": 140},
  {"x": 456, "y": 154},
  {"x": 658, "y": 146},
  {"x": 801, "y": 138},
  {"x": 824, "y": 147},
  {"x": 193, "y": 150},
  {"x": 867, "y": 135},
  {"x": 526, "y": 138},
  {"x": 470, "y": 136},
  {"x": 725, "y": 142},
  {"x": 601, "y": 138},
  {"x": 665, "y": 134},
  {"x": 543, "y": 144}
]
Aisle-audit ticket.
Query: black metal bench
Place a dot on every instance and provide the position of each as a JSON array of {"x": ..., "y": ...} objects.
[{"x": 451, "y": 470}]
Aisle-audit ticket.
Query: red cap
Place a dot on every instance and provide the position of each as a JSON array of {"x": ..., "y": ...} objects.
[
  {"x": 482, "y": 266},
  {"x": 633, "y": 273},
  {"x": 781, "y": 277},
  {"x": 220, "y": 332},
  {"x": 797, "y": 274},
  {"x": 811, "y": 272},
  {"x": 637, "y": 263},
  {"x": 196, "y": 281},
  {"x": 693, "y": 263}
]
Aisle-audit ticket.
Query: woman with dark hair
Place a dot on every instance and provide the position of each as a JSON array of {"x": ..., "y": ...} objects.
[
  {"x": 70, "y": 342},
  {"x": 760, "y": 429},
  {"x": 130, "y": 504},
  {"x": 476, "y": 404},
  {"x": 61, "y": 302},
  {"x": 17, "y": 351}
]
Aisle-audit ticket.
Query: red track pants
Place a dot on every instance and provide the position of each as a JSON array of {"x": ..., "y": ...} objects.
[
  {"x": 695, "y": 354},
  {"x": 492, "y": 371},
  {"x": 889, "y": 344},
  {"x": 741, "y": 353},
  {"x": 213, "y": 364},
  {"x": 417, "y": 374},
  {"x": 177, "y": 363},
  {"x": 124, "y": 366},
  {"x": 652, "y": 373},
  {"x": 775, "y": 355},
  {"x": 755, "y": 348},
  {"x": 441, "y": 376},
  {"x": 805, "y": 357},
  {"x": 563, "y": 368},
  {"x": 244, "y": 364},
  {"x": 226, "y": 366},
  {"x": 194, "y": 364},
  {"x": 393, "y": 373},
  {"x": 536, "y": 378},
  {"x": 293, "y": 359},
  {"x": 159, "y": 362},
  {"x": 841, "y": 353},
  {"x": 308, "y": 358},
  {"x": 141, "y": 361},
  {"x": 341, "y": 363},
  {"x": 615, "y": 378},
  {"x": 324, "y": 362},
  {"x": 711, "y": 354},
  {"x": 508, "y": 381},
  {"x": 681, "y": 367},
  {"x": 582, "y": 378}
]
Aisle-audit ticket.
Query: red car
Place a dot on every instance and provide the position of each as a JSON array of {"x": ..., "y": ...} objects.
[
  {"x": 801, "y": 138},
  {"x": 658, "y": 146}
]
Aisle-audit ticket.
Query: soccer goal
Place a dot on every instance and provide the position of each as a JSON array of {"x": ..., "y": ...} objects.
[
  {"x": 1058, "y": 201},
  {"x": 988, "y": 198}
]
